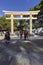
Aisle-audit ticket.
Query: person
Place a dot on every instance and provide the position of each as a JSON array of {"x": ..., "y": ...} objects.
[
  {"x": 25, "y": 35},
  {"x": 7, "y": 36},
  {"x": 21, "y": 34},
  {"x": 18, "y": 33}
]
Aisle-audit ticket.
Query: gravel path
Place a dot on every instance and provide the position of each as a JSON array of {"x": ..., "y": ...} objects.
[{"x": 20, "y": 53}]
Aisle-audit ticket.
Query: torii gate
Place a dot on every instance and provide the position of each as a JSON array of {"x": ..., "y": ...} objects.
[{"x": 21, "y": 13}]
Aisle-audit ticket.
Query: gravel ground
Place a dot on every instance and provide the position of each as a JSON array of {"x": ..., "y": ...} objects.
[{"x": 21, "y": 53}]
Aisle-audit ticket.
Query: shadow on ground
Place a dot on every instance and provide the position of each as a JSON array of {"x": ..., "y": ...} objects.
[{"x": 21, "y": 53}]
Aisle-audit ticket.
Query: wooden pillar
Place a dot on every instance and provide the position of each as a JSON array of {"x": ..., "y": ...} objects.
[
  {"x": 12, "y": 24},
  {"x": 30, "y": 23}
]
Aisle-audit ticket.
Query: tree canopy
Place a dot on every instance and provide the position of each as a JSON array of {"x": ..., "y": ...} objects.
[{"x": 39, "y": 6}]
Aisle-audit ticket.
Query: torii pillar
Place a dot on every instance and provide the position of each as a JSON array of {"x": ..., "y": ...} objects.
[
  {"x": 30, "y": 23},
  {"x": 12, "y": 32}
]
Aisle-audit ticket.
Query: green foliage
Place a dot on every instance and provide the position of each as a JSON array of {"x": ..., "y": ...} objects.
[
  {"x": 37, "y": 7},
  {"x": 25, "y": 25},
  {"x": 40, "y": 23},
  {"x": 15, "y": 24},
  {"x": 41, "y": 5},
  {"x": 31, "y": 9},
  {"x": 4, "y": 23}
]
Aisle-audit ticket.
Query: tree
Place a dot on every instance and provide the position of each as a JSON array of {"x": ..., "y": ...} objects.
[
  {"x": 40, "y": 14},
  {"x": 39, "y": 6},
  {"x": 31, "y": 9},
  {"x": 36, "y": 7},
  {"x": 15, "y": 24},
  {"x": 4, "y": 23},
  {"x": 25, "y": 25}
]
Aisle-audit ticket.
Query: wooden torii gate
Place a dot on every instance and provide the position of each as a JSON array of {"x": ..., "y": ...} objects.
[{"x": 21, "y": 13}]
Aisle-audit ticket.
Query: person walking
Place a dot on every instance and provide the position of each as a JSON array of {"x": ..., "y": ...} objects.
[
  {"x": 7, "y": 36},
  {"x": 21, "y": 34},
  {"x": 25, "y": 35}
]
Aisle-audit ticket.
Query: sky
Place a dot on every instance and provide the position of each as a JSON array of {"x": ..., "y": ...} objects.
[{"x": 17, "y": 5}]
